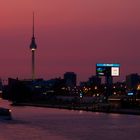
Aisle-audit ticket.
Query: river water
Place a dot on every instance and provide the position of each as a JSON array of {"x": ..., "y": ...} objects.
[{"x": 36, "y": 123}]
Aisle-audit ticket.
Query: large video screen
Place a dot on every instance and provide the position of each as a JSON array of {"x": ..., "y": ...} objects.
[{"x": 107, "y": 69}]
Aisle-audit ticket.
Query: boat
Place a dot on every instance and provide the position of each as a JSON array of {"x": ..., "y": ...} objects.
[{"x": 5, "y": 113}]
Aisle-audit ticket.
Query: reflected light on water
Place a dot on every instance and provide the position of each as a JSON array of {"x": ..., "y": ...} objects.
[
  {"x": 115, "y": 115},
  {"x": 81, "y": 112},
  {"x": 39, "y": 123}
]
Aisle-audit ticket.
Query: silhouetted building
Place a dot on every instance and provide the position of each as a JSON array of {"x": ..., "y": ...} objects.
[
  {"x": 109, "y": 80},
  {"x": 70, "y": 79},
  {"x": 34, "y": 90},
  {"x": 132, "y": 81},
  {"x": 94, "y": 80}
]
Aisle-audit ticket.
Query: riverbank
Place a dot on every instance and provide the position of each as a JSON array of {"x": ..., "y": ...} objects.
[{"x": 105, "y": 109}]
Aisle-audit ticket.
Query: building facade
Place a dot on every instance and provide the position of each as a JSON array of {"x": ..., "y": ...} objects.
[{"x": 70, "y": 79}]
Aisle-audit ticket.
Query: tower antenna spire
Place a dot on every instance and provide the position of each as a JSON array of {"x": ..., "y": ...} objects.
[{"x": 33, "y": 24}]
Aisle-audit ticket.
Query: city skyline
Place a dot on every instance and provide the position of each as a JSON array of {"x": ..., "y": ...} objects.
[{"x": 71, "y": 35}]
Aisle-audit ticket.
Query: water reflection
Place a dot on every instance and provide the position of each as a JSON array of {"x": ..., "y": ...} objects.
[{"x": 50, "y": 124}]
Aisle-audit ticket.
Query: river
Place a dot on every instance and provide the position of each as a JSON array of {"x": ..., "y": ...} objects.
[{"x": 36, "y": 123}]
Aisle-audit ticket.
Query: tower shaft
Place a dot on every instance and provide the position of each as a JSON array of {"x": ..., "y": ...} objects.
[{"x": 33, "y": 65}]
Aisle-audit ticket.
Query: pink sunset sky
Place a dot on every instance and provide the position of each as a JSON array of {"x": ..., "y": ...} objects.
[{"x": 71, "y": 35}]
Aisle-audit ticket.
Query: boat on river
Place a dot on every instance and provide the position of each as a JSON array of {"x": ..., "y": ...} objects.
[{"x": 5, "y": 114}]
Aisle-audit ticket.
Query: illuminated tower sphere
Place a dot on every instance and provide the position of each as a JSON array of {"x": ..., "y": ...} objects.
[{"x": 33, "y": 47}]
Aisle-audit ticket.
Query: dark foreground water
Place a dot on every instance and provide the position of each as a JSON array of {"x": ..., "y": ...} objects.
[{"x": 32, "y": 123}]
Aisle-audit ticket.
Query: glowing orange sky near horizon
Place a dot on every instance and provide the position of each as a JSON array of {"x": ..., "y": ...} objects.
[{"x": 72, "y": 35}]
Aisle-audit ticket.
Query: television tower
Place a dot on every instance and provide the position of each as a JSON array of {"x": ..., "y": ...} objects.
[{"x": 33, "y": 47}]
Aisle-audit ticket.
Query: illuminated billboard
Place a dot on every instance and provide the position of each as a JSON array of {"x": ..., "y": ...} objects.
[{"x": 107, "y": 69}]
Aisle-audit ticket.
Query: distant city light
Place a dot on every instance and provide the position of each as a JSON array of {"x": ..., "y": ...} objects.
[
  {"x": 96, "y": 87},
  {"x": 81, "y": 95},
  {"x": 138, "y": 88},
  {"x": 130, "y": 93}
]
